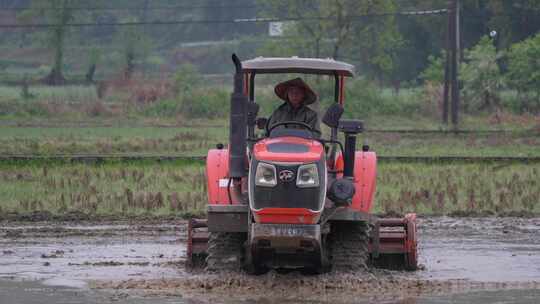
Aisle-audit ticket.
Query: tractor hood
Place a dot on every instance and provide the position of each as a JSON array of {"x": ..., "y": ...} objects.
[
  {"x": 288, "y": 149},
  {"x": 287, "y": 180}
]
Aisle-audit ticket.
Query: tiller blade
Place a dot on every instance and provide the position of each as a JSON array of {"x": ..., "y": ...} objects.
[
  {"x": 197, "y": 242},
  {"x": 393, "y": 243}
]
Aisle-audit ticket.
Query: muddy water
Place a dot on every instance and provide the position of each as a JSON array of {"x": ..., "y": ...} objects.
[
  {"x": 486, "y": 249},
  {"x": 14, "y": 292},
  {"x": 461, "y": 256},
  {"x": 72, "y": 255}
]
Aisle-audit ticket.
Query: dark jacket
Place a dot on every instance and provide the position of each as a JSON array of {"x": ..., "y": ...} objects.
[{"x": 286, "y": 112}]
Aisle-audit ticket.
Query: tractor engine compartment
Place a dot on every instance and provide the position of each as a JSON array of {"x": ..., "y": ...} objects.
[{"x": 296, "y": 185}]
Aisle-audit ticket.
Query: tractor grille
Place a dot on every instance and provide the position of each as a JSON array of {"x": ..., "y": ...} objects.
[{"x": 287, "y": 194}]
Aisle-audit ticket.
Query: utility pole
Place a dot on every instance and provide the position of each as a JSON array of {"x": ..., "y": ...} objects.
[
  {"x": 447, "y": 66},
  {"x": 454, "y": 62},
  {"x": 459, "y": 40}
]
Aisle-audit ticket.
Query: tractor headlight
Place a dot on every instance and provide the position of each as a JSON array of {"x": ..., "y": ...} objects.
[
  {"x": 265, "y": 176},
  {"x": 307, "y": 176}
]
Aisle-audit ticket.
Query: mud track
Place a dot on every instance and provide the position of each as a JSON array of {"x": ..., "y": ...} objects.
[{"x": 147, "y": 259}]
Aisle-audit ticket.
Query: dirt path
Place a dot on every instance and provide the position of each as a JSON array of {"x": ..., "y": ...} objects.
[{"x": 146, "y": 260}]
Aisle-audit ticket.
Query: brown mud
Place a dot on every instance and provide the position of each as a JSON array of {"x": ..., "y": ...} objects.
[
  {"x": 335, "y": 288},
  {"x": 78, "y": 216},
  {"x": 147, "y": 259}
]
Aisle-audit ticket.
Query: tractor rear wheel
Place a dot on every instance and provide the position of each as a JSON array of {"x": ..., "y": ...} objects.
[
  {"x": 348, "y": 246},
  {"x": 225, "y": 251}
]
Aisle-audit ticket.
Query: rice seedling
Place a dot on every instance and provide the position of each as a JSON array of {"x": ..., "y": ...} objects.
[
  {"x": 102, "y": 189},
  {"x": 458, "y": 188},
  {"x": 125, "y": 189}
]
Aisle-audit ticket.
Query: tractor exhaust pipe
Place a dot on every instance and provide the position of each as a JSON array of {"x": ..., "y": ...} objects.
[
  {"x": 349, "y": 155},
  {"x": 351, "y": 128},
  {"x": 238, "y": 122}
]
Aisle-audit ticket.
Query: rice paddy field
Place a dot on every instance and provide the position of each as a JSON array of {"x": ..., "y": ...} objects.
[
  {"x": 74, "y": 120},
  {"x": 143, "y": 117},
  {"x": 120, "y": 189},
  {"x": 109, "y": 140},
  {"x": 179, "y": 189},
  {"x": 195, "y": 140}
]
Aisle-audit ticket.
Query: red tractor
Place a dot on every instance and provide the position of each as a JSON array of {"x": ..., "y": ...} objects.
[{"x": 288, "y": 199}]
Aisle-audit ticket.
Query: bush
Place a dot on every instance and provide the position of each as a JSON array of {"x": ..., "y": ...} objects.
[
  {"x": 205, "y": 103},
  {"x": 96, "y": 109},
  {"x": 435, "y": 71},
  {"x": 25, "y": 109},
  {"x": 186, "y": 79},
  {"x": 524, "y": 72},
  {"x": 481, "y": 76},
  {"x": 363, "y": 97},
  {"x": 163, "y": 108}
]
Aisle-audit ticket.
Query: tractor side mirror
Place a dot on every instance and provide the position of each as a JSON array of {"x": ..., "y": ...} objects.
[
  {"x": 252, "y": 111},
  {"x": 332, "y": 115},
  {"x": 261, "y": 123}
]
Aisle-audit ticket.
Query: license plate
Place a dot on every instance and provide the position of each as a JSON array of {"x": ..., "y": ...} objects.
[{"x": 287, "y": 231}]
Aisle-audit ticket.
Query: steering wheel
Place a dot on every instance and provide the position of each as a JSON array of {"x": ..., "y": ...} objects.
[{"x": 291, "y": 122}]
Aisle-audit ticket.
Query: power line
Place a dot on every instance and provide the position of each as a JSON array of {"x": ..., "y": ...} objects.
[
  {"x": 168, "y": 7},
  {"x": 517, "y": 14},
  {"x": 238, "y": 20},
  {"x": 162, "y": 7},
  {"x": 135, "y": 8},
  {"x": 247, "y": 20}
]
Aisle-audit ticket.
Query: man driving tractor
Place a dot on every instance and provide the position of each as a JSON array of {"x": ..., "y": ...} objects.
[
  {"x": 297, "y": 95},
  {"x": 267, "y": 195}
]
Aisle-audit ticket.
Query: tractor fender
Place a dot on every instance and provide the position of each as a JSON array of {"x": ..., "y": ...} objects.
[
  {"x": 217, "y": 176},
  {"x": 365, "y": 180}
]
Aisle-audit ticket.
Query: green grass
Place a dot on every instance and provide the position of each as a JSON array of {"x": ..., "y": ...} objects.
[
  {"x": 204, "y": 135},
  {"x": 66, "y": 94},
  {"x": 182, "y": 140},
  {"x": 177, "y": 188},
  {"x": 394, "y": 144}
]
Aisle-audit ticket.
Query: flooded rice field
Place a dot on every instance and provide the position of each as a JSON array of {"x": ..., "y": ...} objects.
[{"x": 480, "y": 260}]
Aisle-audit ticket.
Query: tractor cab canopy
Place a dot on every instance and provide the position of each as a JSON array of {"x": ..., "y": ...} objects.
[
  {"x": 261, "y": 65},
  {"x": 284, "y": 65},
  {"x": 248, "y": 69}
]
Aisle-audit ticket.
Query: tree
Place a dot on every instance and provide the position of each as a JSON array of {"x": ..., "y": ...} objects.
[
  {"x": 360, "y": 31},
  {"x": 94, "y": 56},
  {"x": 377, "y": 40},
  {"x": 481, "y": 75},
  {"x": 307, "y": 32},
  {"x": 421, "y": 37},
  {"x": 322, "y": 28},
  {"x": 524, "y": 71},
  {"x": 514, "y": 20},
  {"x": 135, "y": 44},
  {"x": 55, "y": 12}
]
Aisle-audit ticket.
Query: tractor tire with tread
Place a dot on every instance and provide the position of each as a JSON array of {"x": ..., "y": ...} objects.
[
  {"x": 348, "y": 246},
  {"x": 225, "y": 251}
]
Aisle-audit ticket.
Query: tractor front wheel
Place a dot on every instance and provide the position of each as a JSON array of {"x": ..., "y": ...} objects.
[
  {"x": 348, "y": 246},
  {"x": 225, "y": 251}
]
